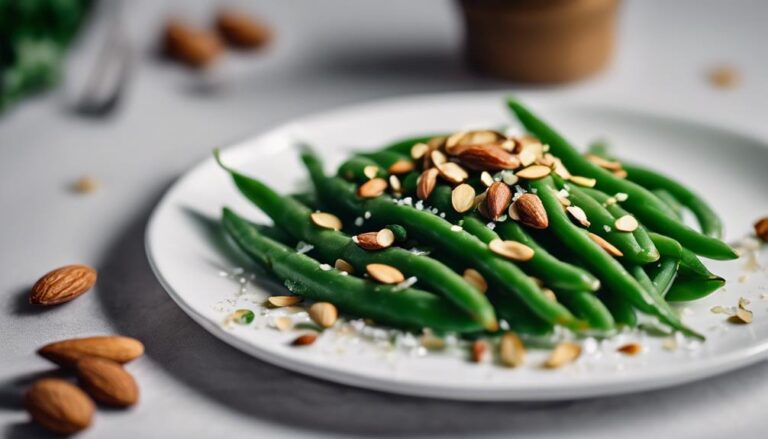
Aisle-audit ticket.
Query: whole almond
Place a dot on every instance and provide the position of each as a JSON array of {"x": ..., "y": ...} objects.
[
  {"x": 241, "y": 30},
  {"x": 305, "y": 339},
  {"x": 487, "y": 158},
  {"x": 59, "y": 406},
  {"x": 62, "y": 285},
  {"x": 531, "y": 212},
  {"x": 115, "y": 348},
  {"x": 497, "y": 199},
  {"x": 761, "y": 228},
  {"x": 194, "y": 47},
  {"x": 426, "y": 183},
  {"x": 107, "y": 382}
]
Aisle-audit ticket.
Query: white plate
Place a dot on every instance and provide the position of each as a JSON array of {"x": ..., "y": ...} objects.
[{"x": 727, "y": 168}]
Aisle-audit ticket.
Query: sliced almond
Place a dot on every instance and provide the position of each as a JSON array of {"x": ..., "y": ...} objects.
[
  {"x": 561, "y": 170},
  {"x": 401, "y": 167},
  {"x": 371, "y": 171},
  {"x": 324, "y": 314},
  {"x": 620, "y": 173},
  {"x": 605, "y": 245},
  {"x": 610, "y": 165},
  {"x": 497, "y": 199},
  {"x": 547, "y": 160},
  {"x": 418, "y": 150},
  {"x": 462, "y": 198},
  {"x": 534, "y": 172},
  {"x": 385, "y": 274},
  {"x": 432, "y": 342},
  {"x": 305, "y": 339},
  {"x": 426, "y": 183},
  {"x": 630, "y": 349},
  {"x": 487, "y": 179},
  {"x": 452, "y": 173},
  {"x": 579, "y": 215},
  {"x": 549, "y": 294},
  {"x": 326, "y": 220},
  {"x": 376, "y": 240},
  {"x": 385, "y": 237},
  {"x": 281, "y": 301},
  {"x": 509, "y": 178},
  {"x": 530, "y": 211},
  {"x": 626, "y": 223},
  {"x": 742, "y": 316},
  {"x": 513, "y": 250},
  {"x": 437, "y": 157},
  {"x": 474, "y": 278},
  {"x": 488, "y": 157},
  {"x": 511, "y": 350},
  {"x": 283, "y": 323},
  {"x": 479, "y": 348},
  {"x": 530, "y": 152},
  {"x": 372, "y": 188},
  {"x": 478, "y": 137},
  {"x": 583, "y": 181},
  {"x": 395, "y": 184},
  {"x": 454, "y": 139},
  {"x": 564, "y": 353},
  {"x": 344, "y": 266}
]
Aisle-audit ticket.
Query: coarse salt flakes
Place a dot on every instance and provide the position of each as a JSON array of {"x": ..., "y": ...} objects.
[
  {"x": 455, "y": 228},
  {"x": 621, "y": 196},
  {"x": 359, "y": 221}
]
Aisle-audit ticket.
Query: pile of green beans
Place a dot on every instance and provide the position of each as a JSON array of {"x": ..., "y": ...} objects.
[{"x": 590, "y": 277}]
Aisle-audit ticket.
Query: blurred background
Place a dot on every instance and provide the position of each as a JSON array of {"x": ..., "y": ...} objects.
[{"x": 104, "y": 104}]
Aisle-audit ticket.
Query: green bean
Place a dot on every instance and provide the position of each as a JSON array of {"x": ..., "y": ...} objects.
[
  {"x": 708, "y": 220},
  {"x": 401, "y": 235},
  {"x": 294, "y": 218},
  {"x": 646, "y": 206},
  {"x": 640, "y": 234},
  {"x": 664, "y": 275},
  {"x": 587, "y": 306},
  {"x": 436, "y": 231},
  {"x": 610, "y": 272},
  {"x": 670, "y": 201},
  {"x": 602, "y": 224},
  {"x": 622, "y": 311},
  {"x": 689, "y": 263},
  {"x": 685, "y": 289},
  {"x": 402, "y": 307},
  {"x": 354, "y": 169}
]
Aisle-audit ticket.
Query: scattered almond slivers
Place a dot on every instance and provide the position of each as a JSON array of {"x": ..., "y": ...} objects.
[
  {"x": 463, "y": 198},
  {"x": 486, "y": 178},
  {"x": 426, "y": 182},
  {"x": 529, "y": 210},
  {"x": 611, "y": 165},
  {"x": 583, "y": 181},
  {"x": 372, "y": 188},
  {"x": 630, "y": 349},
  {"x": 324, "y": 314},
  {"x": 452, "y": 172},
  {"x": 418, "y": 150},
  {"x": 344, "y": 266},
  {"x": 511, "y": 350},
  {"x": 626, "y": 223},
  {"x": 385, "y": 274},
  {"x": 281, "y": 301},
  {"x": 474, "y": 278},
  {"x": 395, "y": 184},
  {"x": 564, "y": 353},
  {"x": 371, "y": 171},
  {"x": 534, "y": 172},
  {"x": 376, "y": 240},
  {"x": 283, "y": 323},
  {"x": 742, "y": 315},
  {"x": 605, "y": 245},
  {"x": 326, "y": 220},
  {"x": 579, "y": 215},
  {"x": 400, "y": 167},
  {"x": 513, "y": 250}
]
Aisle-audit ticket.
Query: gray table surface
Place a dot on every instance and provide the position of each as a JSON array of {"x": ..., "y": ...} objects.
[{"x": 325, "y": 54}]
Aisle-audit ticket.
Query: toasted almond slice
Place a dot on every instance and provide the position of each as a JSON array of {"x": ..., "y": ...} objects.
[
  {"x": 508, "y": 145},
  {"x": 426, "y": 183},
  {"x": 512, "y": 212},
  {"x": 372, "y": 188},
  {"x": 626, "y": 223},
  {"x": 607, "y": 246},
  {"x": 418, "y": 150},
  {"x": 452, "y": 172},
  {"x": 579, "y": 215},
  {"x": 550, "y": 294},
  {"x": 371, "y": 171},
  {"x": 479, "y": 347},
  {"x": 563, "y": 354},
  {"x": 344, "y": 266},
  {"x": 743, "y": 302},
  {"x": 479, "y": 200},
  {"x": 401, "y": 167},
  {"x": 385, "y": 274},
  {"x": 530, "y": 152},
  {"x": 395, "y": 184},
  {"x": 611, "y": 165},
  {"x": 547, "y": 160},
  {"x": 534, "y": 172},
  {"x": 474, "y": 278},
  {"x": 283, "y": 323},
  {"x": 326, "y": 220},
  {"x": 620, "y": 173},
  {"x": 742, "y": 316},
  {"x": 305, "y": 339},
  {"x": 561, "y": 170},
  {"x": 281, "y": 301},
  {"x": 454, "y": 140},
  {"x": 630, "y": 349},
  {"x": 432, "y": 342},
  {"x": 530, "y": 211},
  {"x": 385, "y": 238},
  {"x": 497, "y": 199},
  {"x": 513, "y": 250},
  {"x": 511, "y": 350},
  {"x": 324, "y": 314},
  {"x": 583, "y": 181},
  {"x": 487, "y": 179},
  {"x": 437, "y": 157},
  {"x": 437, "y": 142},
  {"x": 509, "y": 178},
  {"x": 462, "y": 197}
]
